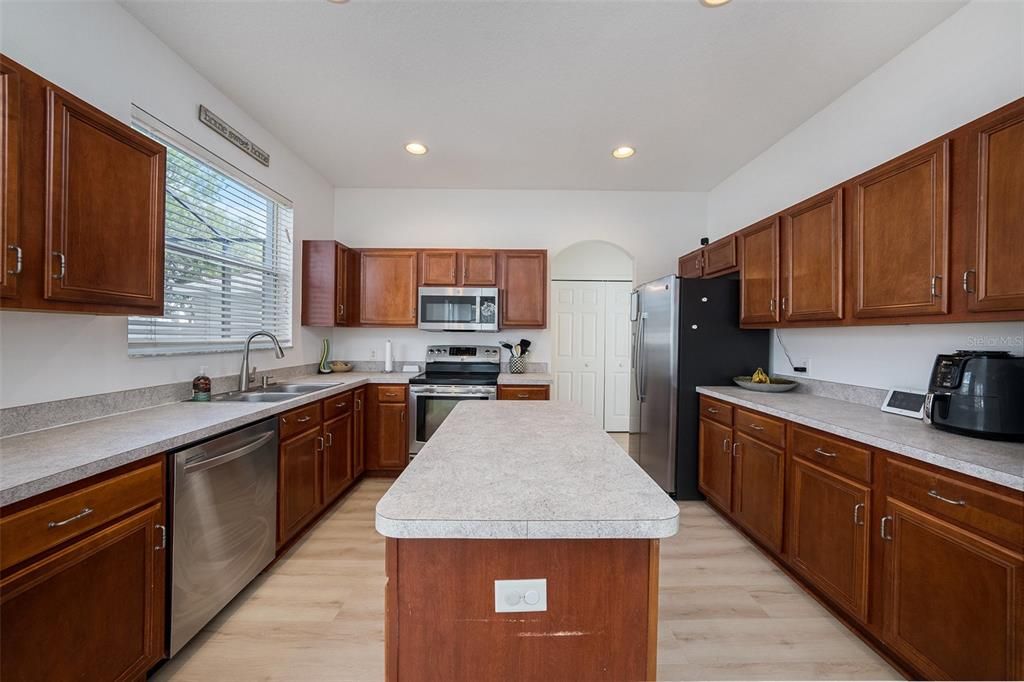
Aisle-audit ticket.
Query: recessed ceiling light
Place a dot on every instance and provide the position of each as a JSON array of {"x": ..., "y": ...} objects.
[
  {"x": 714, "y": 3},
  {"x": 338, "y": 2},
  {"x": 623, "y": 152},
  {"x": 416, "y": 148}
]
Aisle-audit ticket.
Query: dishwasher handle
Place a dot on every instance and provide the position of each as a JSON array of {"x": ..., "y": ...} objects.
[{"x": 204, "y": 464}]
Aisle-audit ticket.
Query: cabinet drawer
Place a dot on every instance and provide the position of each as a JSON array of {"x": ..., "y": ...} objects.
[
  {"x": 391, "y": 394},
  {"x": 1000, "y": 517},
  {"x": 509, "y": 392},
  {"x": 765, "y": 429},
  {"x": 299, "y": 420},
  {"x": 831, "y": 453},
  {"x": 337, "y": 405},
  {"x": 716, "y": 410},
  {"x": 44, "y": 526}
]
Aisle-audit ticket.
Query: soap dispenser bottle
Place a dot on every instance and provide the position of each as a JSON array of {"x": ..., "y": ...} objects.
[{"x": 201, "y": 387}]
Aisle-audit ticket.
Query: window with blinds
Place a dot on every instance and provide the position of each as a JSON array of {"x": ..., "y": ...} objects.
[{"x": 228, "y": 258}]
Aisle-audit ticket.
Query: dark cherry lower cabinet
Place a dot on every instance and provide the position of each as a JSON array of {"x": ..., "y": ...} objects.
[
  {"x": 758, "y": 482},
  {"x": 317, "y": 460},
  {"x": 90, "y": 606},
  {"x": 925, "y": 564},
  {"x": 715, "y": 475},
  {"x": 387, "y": 428},
  {"x": 954, "y": 602},
  {"x": 359, "y": 431},
  {"x": 828, "y": 533}
]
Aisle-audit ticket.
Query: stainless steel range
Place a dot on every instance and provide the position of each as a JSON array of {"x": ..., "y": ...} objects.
[{"x": 453, "y": 374}]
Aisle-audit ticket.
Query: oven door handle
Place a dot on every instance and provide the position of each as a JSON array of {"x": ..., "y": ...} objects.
[{"x": 428, "y": 394}]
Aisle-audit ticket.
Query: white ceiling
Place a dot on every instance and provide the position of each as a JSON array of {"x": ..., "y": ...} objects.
[{"x": 535, "y": 94}]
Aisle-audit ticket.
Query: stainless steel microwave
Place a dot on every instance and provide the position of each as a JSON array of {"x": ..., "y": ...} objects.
[{"x": 458, "y": 309}]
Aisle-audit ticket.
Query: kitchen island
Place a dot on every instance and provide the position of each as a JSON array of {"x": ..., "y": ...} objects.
[{"x": 522, "y": 491}]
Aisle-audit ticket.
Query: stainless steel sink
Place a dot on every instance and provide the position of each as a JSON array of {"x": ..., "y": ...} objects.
[
  {"x": 297, "y": 389},
  {"x": 253, "y": 397},
  {"x": 272, "y": 394}
]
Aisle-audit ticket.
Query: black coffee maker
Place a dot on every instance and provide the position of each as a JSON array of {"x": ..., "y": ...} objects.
[{"x": 977, "y": 393}]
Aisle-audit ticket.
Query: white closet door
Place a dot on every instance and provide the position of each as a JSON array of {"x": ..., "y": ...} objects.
[
  {"x": 578, "y": 314},
  {"x": 617, "y": 351}
]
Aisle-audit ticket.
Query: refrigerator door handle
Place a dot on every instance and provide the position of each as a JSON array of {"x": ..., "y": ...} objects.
[{"x": 641, "y": 374}]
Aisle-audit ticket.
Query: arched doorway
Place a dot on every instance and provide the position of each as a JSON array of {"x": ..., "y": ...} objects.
[{"x": 591, "y": 283}]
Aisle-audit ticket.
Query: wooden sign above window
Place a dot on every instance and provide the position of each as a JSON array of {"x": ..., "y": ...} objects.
[{"x": 236, "y": 138}]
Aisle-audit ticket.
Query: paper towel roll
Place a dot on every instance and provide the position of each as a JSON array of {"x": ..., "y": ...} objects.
[{"x": 389, "y": 360}]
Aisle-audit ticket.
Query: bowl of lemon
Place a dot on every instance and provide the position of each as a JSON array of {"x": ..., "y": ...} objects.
[{"x": 760, "y": 381}]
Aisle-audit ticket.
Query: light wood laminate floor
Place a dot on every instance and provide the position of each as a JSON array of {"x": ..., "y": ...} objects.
[{"x": 726, "y": 612}]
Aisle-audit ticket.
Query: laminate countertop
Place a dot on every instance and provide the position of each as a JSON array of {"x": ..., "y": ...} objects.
[
  {"x": 517, "y": 470},
  {"x": 994, "y": 461},
  {"x": 39, "y": 461}
]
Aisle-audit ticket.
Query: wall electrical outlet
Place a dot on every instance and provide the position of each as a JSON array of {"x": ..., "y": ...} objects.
[
  {"x": 373, "y": 355},
  {"x": 803, "y": 366},
  {"x": 518, "y": 596}
]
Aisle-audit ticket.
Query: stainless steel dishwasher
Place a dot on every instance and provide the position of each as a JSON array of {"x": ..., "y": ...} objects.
[{"x": 225, "y": 523}]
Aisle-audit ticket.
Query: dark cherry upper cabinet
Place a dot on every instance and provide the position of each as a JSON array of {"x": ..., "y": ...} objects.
[
  {"x": 901, "y": 235},
  {"x": 720, "y": 257},
  {"x": 759, "y": 273},
  {"x": 812, "y": 259},
  {"x": 478, "y": 268},
  {"x": 388, "y": 291},
  {"x": 996, "y": 279},
  {"x": 104, "y": 208},
  {"x": 953, "y": 602},
  {"x": 326, "y": 284},
  {"x": 524, "y": 284},
  {"x": 827, "y": 531},
  {"x": 12, "y": 256},
  {"x": 439, "y": 268},
  {"x": 691, "y": 266}
]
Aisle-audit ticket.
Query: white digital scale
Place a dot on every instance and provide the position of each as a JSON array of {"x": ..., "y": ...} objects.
[{"x": 906, "y": 403}]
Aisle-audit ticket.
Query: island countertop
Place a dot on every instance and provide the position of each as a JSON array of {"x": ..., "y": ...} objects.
[{"x": 524, "y": 470}]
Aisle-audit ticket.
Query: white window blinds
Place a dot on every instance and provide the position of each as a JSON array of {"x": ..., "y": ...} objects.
[{"x": 228, "y": 258}]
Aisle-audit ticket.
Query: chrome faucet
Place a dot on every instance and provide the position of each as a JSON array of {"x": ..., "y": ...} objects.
[{"x": 244, "y": 379}]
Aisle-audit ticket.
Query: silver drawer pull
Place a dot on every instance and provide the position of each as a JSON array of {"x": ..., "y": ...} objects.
[
  {"x": 825, "y": 453},
  {"x": 712, "y": 410},
  {"x": 523, "y": 395},
  {"x": 937, "y": 496},
  {"x": 756, "y": 427},
  {"x": 341, "y": 405},
  {"x": 303, "y": 420},
  {"x": 80, "y": 515},
  {"x": 19, "y": 260}
]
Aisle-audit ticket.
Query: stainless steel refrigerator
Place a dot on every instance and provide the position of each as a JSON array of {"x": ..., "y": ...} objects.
[{"x": 685, "y": 333}]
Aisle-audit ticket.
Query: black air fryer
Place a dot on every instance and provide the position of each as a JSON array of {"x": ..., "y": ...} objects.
[{"x": 978, "y": 393}]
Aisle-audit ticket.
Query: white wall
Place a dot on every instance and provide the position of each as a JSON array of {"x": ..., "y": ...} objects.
[
  {"x": 967, "y": 66},
  {"x": 653, "y": 227},
  {"x": 592, "y": 260},
  {"x": 102, "y": 54}
]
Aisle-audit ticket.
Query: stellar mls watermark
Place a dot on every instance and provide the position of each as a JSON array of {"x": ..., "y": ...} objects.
[{"x": 993, "y": 341}]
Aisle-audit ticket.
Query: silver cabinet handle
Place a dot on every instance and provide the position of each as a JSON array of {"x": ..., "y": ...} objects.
[
  {"x": 886, "y": 520},
  {"x": 341, "y": 308},
  {"x": 303, "y": 420},
  {"x": 163, "y": 537},
  {"x": 784, "y": 302},
  {"x": 756, "y": 427},
  {"x": 967, "y": 284},
  {"x": 18, "y": 259},
  {"x": 735, "y": 447},
  {"x": 771, "y": 305},
  {"x": 359, "y": 404},
  {"x": 330, "y": 439},
  {"x": 80, "y": 515},
  {"x": 937, "y": 496},
  {"x": 712, "y": 410},
  {"x": 63, "y": 263},
  {"x": 857, "y": 508},
  {"x": 725, "y": 445},
  {"x": 825, "y": 453},
  {"x": 935, "y": 285},
  {"x": 319, "y": 443},
  {"x": 403, "y": 416}
]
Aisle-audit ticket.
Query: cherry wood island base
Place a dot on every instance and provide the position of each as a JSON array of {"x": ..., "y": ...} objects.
[{"x": 601, "y": 621}]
